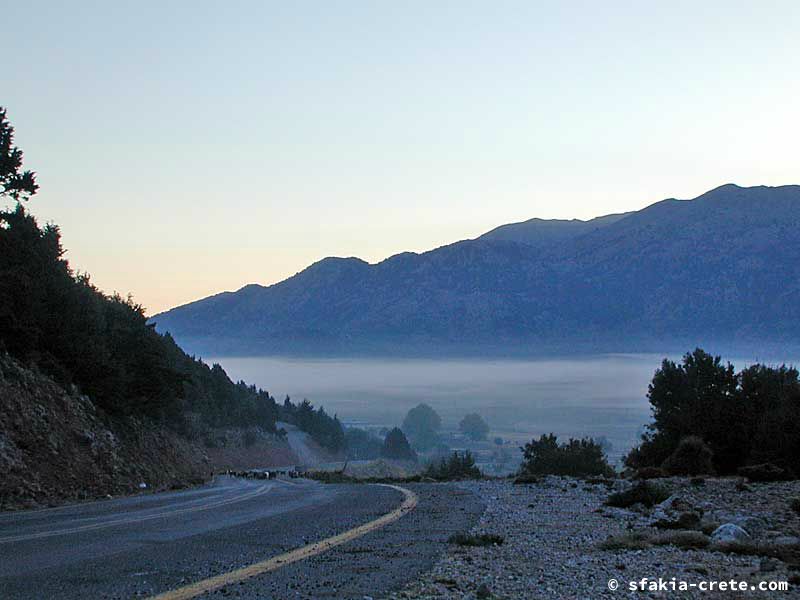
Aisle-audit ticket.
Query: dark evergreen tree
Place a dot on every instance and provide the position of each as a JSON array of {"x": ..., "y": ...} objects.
[
  {"x": 16, "y": 183},
  {"x": 396, "y": 446},
  {"x": 745, "y": 418}
]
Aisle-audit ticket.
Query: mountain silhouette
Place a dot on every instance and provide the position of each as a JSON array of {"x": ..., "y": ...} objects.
[{"x": 721, "y": 268}]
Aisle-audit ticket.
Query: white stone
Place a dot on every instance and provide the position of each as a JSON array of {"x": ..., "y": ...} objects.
[{"x": 729, "y": 532}]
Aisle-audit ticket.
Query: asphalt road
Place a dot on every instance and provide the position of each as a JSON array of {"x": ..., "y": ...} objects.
[{"x": 145, "y": 545}]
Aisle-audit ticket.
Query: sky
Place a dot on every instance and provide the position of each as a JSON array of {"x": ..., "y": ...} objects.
[{"x": 186, "y": 148}]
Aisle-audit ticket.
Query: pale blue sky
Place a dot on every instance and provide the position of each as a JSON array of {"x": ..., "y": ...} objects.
[{"x": 188, "y": 148}]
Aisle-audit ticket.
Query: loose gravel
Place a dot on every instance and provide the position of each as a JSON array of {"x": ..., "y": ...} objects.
[{"x": 553, "y": 529}]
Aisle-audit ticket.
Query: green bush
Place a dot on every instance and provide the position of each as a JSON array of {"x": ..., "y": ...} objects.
[
  {"x": 748, "y": 417},
  {"x": 576, "y": 458},
  {"x": 691, "y": 457},
  {"x": 457, "y": 466},
  {"x": 644, "y": 492}
]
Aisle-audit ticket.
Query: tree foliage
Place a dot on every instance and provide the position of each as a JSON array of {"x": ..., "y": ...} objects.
[
  {"x": 577, "y": 458},
  {"x": 396, "y": 446},
  {"x": 327, "y": 431},
  {"x": 457, "y": 466},
  {"x": 15, "y": 183},
  {"x": 422, "y": 424},
  {"x": 474, "y": 427},
  {"x": 361, "y": 444},
  {"x": 59, "y": 321},
  {"x": 745, "y": 418}
]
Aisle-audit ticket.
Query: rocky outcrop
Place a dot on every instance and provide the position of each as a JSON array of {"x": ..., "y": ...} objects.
[{"x": 56, "y": 446}]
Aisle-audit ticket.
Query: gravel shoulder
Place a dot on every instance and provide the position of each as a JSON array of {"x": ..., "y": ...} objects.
[{"x": 553, "y": 531}]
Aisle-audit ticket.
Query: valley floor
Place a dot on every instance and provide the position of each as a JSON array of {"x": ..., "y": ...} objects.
[{"x": 553, "y": 531}]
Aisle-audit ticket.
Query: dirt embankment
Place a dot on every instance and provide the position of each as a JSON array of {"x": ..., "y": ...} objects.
[{"x": 56, "y": 447}]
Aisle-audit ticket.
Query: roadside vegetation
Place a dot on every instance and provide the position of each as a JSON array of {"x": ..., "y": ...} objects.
[
  {"x": 709, "y": 418},
  {"x": 361, "y": 444},
  {"x": 55, "y": 319},
  {"x": 646, "y": 493},
  {"x": 575, "y": 458},
  {"x": 459, "y": 465}
]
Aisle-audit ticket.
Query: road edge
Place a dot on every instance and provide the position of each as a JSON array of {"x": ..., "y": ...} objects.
[{"x": 193, "y": 590}]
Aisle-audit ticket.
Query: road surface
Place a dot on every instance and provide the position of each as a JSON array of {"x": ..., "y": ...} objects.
[{"x": 151, "y": 544}]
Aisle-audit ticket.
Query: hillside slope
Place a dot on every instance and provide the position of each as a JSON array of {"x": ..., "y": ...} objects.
[
  {"x": 56, "y": 446},
  {"x": 720, "y": 268}
]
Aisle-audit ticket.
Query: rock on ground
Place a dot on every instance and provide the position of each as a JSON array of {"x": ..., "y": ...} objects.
[{"x": 553, "y": 530}]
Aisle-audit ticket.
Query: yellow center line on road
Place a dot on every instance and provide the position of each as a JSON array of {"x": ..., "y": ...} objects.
[
  {"x": 276, "y": 562},
  {"x": 126, "y": 521}
]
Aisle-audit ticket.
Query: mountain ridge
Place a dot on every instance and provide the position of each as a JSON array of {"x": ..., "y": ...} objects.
[{"x": 650, "y": 277}]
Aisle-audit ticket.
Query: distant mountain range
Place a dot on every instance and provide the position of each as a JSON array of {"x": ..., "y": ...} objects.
[{"x": 723, "y": 268}]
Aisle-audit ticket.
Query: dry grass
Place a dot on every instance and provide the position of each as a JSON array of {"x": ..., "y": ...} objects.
[
  {"x": 635, "y": 540},
  {"x": 682, "y": 539},
  {"x": 642, "y": 540},
  {"x": 788, "y": 553}
]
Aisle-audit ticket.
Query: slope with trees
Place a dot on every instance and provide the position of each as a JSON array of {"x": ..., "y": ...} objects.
[{"x": 79, "y": 345}]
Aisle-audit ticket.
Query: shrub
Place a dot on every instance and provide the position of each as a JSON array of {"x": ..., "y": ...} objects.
[
  {"x": 330, "y": 477},
  {"x": 650, "y": 473},
  {"x": 483, "y": 539},
  {"x": 682, "y": 539},
  {"x": 644, "y": 492},
  {"x": 794, "y": 503},
  {"x": 641, "y": 540},
  {"x": 635, "y": 540},
  {"x": 688, "y": 520},
  {"x": 576, "y": 458},
  {"x": 691, "y": 457},
  {"x": 788, "y": 553},
  {"x": 751, "y": 416},
  {"x": 457, "y": 466},
  {"x": 764, "y": 472},
  {"x": 526, "y": 478}
]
